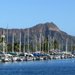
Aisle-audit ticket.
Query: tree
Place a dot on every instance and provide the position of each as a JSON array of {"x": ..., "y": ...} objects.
[{"x": 56, "y": 45}]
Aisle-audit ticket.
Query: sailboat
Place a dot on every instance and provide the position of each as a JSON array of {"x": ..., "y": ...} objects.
[
  {"x": 3, "y": 37},
  {"x": 20, "y": 43},
  {"x": 28, "y": 55},
  {"x": 20, "y": 52},
  {"x": 6, "y": 57},
  {"x": 66, "y": 49}
]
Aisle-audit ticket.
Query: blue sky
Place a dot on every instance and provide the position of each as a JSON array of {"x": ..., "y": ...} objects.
[{"x": 27, "y": 13}]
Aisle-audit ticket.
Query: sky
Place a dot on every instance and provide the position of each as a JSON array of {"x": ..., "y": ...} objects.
[{"x": 28, "y": 13}]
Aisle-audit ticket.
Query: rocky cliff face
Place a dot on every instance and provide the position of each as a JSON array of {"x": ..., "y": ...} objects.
[{"x": 45, "y": 29}]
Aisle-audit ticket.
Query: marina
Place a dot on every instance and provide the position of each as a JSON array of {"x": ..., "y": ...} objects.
[
  {"x": 39, "y": 56},
  {"x": 37, "y": 37},
  {"x": 16, "y": 57},
  {"x": 42, "y": 50}
]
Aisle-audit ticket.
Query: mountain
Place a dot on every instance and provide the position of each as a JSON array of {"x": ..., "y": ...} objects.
[
  {"x": 45, "y": 29},
  {"x": 52, "y": 30}
]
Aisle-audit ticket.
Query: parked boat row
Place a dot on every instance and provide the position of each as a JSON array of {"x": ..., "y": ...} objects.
[
  {"x": 17, "y": 57},
  {"x": 12, "y": 57}
]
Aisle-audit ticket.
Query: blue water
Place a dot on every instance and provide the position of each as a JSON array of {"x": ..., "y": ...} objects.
[{"x": 50, "y": 67}]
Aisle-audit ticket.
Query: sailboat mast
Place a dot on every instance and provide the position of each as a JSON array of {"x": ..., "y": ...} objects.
[
  {"x": 24, "y": 44},
  {"x": 3, "y": 36},
  {"x": 59, "y": 48},
  {"x": 71, "y": 46},
  {"x": 48, "y": 44},
  {"x": 66, "y": 44},
  {"x": 40, "y": 42},
  {"x": 62, "y": 44},
  {"x": 13, "y": 42},
  {"x": 36, "y": 42},
  {"x": 28, "y": 39},
  {"x": 20, "y": 43},
  {"x": 53, "y": 43},
  {"x": 7, "y": 40}
]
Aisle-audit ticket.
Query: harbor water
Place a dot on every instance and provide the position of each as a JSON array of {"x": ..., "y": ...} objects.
[{"x": 48, "y": 67}]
